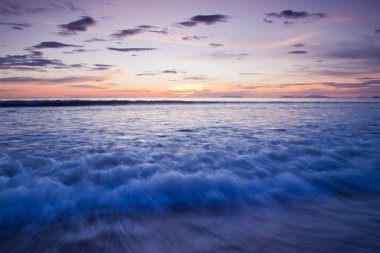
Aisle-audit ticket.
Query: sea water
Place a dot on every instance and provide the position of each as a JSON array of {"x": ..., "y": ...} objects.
[{"x": 190, "y": 177}]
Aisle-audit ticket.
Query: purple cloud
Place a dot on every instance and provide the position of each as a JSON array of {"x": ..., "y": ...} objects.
[
  {"x": 80, "y": 25},
  {"x": 204, "y": 19},
  {"x": 127, "y": 32},
  {"x": 215, "y": 45},
  {"x": 298, "y": 52},
  {"x": 131, "y": 49},
  {"x": 53, "y": 44}
]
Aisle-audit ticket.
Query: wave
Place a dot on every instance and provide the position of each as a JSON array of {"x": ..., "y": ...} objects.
[{"x": 115, "y": 182}]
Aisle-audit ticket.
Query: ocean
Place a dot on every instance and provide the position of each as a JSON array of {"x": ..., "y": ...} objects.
[{"x": 190, "y": 176}]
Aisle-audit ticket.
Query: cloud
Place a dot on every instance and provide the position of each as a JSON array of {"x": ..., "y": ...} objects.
[
  {"x": 131, "y": 49},
  {"x": 69, "y": 79},
  {"x": 53, "y": 44},
  {"x": 377, "y": 31},
  {"x": 80, "y": 50},
  {"x": 373, "y": 83},
  {"x": 8, "y": 8},
  {"x": 102, "y": 66},
  {"x": 195, "y": 37},
  {"x": 298, "y": 52},
  {"x": 291, "y": 15},
  {"x": 147, "y": 74},
  {"x": 163, "y": 31},
  {"x": 147, "y": 27},
  {"x": 86, "y": 86},
  {"x": 204, "y": 19},
  {"x": 32, "y": 62},
  {"x": 356, "y": 51},
  {"x": 16, "y": 26},
  {"x": 298, "y": 45},
  {"x": 250, "y": 74},
  {"x": 138, "y": 30},
  {"x": 127, "y": 32},
  {"x": 95, "y": 40},
  {"x": 80, "y": 25},
  {"x": 187, "y": 23},
  {"x": 209, "y": 19},
  {"x": 215, "y": 45},
  {"x": 268, "y": 21},
  {"x": 170, "y": 71}
]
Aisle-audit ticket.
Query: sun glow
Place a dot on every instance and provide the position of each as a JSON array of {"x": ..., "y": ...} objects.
[{"x": 184, "y": 90}]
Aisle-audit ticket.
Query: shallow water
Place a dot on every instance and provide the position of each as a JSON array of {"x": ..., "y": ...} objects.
[{"x": 207, "y": 177}]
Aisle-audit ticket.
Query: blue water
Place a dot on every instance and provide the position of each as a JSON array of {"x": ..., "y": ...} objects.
[{"x": 265, "y": 168}]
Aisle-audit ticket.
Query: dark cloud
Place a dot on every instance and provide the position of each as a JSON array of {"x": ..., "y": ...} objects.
[
  {"x": 195, "y": 37},
  {"x": 209, "y": 19},
  {"x": 170, "y": 71},
  {"x": 147, "y": 27},
  {"x": 102, "y": 66},
  {"x": 127, "y": 32},
  {"x": 377, "y": 31},
  {"x": 53, "y": 44},
  {"x": 16, "y": 26},
  {"x": 289, "y": 14},
  {"x": 215, "y": 45},
  {"x": 204, "y": 19},
  {"x": 163, "y": 31},
  {"x": 131, "y": 49},
  {"x": 147, "y": 74},
  {"x": 80, "y": 50},
  {"x": 80, "y": 25},
  {"x": 298, "y": 45},
  {"x": 32, "y": 62},
  {"x": 167, "y": 71},
  {"x": 269, "y": 21},
  {"x": 187, "y": 23},
  {"x": 298, "y": 52},
  {"x": 28, "y": 60},
  {"x": 140, "y": 29},
  {"x": 95, "y": 40}
]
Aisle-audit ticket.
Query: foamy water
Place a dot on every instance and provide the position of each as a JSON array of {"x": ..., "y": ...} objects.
[{"x": 222, "y": 177}]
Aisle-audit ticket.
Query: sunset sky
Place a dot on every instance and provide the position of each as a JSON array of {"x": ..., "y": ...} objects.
[{"x": 197, "y": 48}]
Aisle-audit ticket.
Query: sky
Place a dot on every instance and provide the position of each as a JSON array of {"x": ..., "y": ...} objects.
[{"x": 197, "y": 48}]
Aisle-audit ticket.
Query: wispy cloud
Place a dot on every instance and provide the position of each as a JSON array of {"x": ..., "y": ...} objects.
[
  {"x": 215, "y": 45},
  {"x": 194, "y": 37},
  {"x": 126, "y": 33},
  {"x": 69, "y": 79},
  {"x": 283, "y": 43},
  {"x": 132, "y": 49},
  {"x": 16, "y": 26}
]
